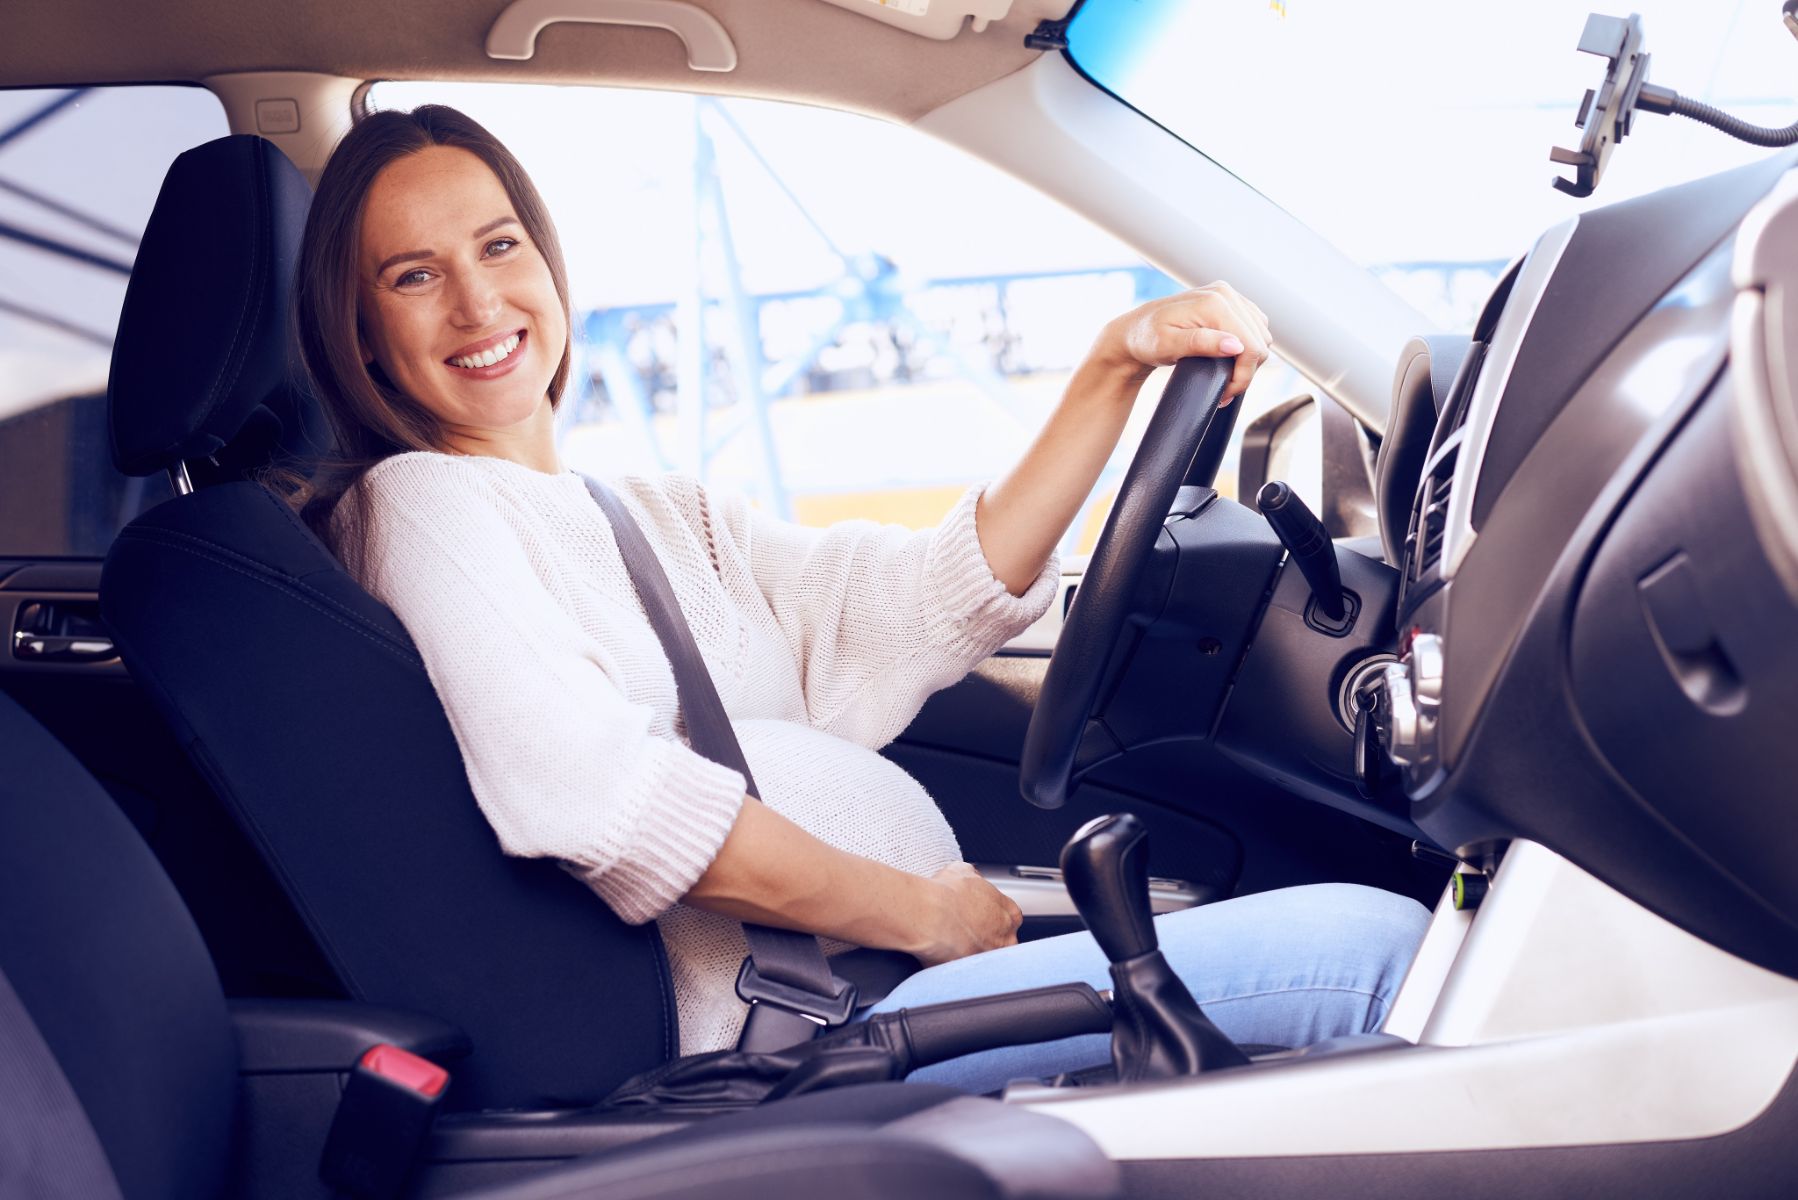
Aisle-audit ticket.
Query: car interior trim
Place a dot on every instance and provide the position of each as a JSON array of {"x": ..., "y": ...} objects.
[
  {"x": 708, "y": 44},
  {"x": 1435, "y": 957},
  {"x": 323, "y": 111},
  {"x": 1765, "y": 408},
  {"x": 1554, "y": 948},
  {"x": 1601, "y": 439},
  {"x": 1623, "y": 260},
  {"x": 1482, "y": 409},
  {"x": 832, "y": 57}
]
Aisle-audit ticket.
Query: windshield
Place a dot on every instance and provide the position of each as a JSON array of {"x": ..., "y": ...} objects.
[{"x": 1415, "y": 135}]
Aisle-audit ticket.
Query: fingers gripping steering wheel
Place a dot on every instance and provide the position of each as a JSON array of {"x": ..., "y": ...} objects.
[{"x": 1183, "y": 444}]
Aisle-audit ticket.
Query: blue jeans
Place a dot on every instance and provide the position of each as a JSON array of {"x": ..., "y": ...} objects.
[{"x": 1283, "y": 968}]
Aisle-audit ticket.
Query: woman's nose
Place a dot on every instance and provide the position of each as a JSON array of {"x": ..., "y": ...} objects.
[{"x": 476, "y": 302}]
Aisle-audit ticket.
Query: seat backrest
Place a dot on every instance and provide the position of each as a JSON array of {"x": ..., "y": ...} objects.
[
  {"x": 303, "y": 702},
  {"x": 107, "y": 965}
]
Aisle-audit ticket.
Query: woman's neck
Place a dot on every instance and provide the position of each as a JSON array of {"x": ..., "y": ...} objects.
[{"x": 531, "y": 443}]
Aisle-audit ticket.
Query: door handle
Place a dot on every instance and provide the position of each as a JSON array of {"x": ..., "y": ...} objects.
[
  {"x": 61, "y": 631},
  {"x": 1040, "y": 892},
  {"x": 43, "y": 647}
]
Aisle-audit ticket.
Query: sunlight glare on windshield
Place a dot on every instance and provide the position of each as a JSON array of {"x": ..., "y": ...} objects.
[{"x": 1415, "y": 136}]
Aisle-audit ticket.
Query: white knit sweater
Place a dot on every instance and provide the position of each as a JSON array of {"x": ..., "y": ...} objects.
[{"x": 823, "y": 645}]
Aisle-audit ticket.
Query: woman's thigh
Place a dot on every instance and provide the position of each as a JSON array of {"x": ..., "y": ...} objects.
[{"x": 1282, "y": 968}]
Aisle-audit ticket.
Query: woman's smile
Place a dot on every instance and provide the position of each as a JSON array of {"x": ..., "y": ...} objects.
[{"x": 491, "y": 357}]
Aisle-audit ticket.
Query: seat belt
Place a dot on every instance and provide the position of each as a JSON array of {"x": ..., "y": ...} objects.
[
  {"x": 48, "y": 1147},
  {"x": 786, "y": 980}
]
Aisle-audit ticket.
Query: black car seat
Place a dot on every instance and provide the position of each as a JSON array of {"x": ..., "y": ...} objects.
[
  {"x": 118, "y": 1065},
  {"x": 302, "y": 700}
]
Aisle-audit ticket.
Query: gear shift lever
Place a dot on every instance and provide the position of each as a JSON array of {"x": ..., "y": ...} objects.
[{"x": 1158, "y": 1029}]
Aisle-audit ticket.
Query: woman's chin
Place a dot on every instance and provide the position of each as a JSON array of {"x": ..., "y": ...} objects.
[{"x": 494, "y": 417}]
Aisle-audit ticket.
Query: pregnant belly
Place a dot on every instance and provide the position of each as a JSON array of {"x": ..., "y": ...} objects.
[{"x": 847, "y": 796}]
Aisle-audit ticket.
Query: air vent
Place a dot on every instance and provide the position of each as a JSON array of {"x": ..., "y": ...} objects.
[{"x": 1430, "y": 523}]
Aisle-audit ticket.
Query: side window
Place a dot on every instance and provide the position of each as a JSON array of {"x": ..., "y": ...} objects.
[
  {"x": 79, "y": 173},
  {"x": 881, "y": 320}
]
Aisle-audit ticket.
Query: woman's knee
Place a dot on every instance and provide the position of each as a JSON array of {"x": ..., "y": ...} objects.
[
  {"x": 1381, "y": 928},
  {"x": 1312, "y": 937},
  {"x": 1376, "y": 933},
  {"x": 1387, "y": 914},
  {"x": 1318, "y": 914}
]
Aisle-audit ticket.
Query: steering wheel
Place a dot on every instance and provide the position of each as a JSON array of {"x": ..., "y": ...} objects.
[{"x": 1183, "y": 444}]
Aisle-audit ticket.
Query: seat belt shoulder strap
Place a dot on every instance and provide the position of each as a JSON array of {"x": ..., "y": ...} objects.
[{"x": 785, "y": 969}]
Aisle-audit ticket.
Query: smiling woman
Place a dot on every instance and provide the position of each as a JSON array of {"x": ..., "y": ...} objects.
[
  {"x": 385, "y": 300},
  {"x": 470, "y": 330}
]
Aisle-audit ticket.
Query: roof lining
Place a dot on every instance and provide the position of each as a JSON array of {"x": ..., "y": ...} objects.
[{"x": 795, "y": 50}]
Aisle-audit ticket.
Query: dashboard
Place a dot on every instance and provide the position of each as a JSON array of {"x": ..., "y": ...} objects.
[{"x": 1596, "y": 650}]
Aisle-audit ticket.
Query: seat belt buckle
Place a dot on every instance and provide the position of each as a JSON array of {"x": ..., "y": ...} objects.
[
  {"x": 383, "y": 1119},
  {"x": 781, "y": 1015}
]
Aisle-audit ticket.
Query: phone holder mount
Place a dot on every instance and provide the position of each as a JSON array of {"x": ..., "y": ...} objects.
[{"x": 1608, "y": 112}]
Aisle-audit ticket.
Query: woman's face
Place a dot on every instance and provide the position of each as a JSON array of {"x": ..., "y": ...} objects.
[{"x": 458, "y": 306}]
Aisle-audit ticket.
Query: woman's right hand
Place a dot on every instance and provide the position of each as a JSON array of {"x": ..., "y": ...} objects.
[{"x": 970, "y": 915}]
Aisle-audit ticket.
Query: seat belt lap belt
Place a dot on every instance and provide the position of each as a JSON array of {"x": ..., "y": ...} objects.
[{"x": 786, "y": 980}]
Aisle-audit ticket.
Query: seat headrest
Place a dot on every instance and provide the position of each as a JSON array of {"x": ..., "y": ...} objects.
[{"x": 202, "y": 344}]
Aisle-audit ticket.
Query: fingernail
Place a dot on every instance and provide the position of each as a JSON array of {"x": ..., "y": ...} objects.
[{"x": 1230, "y": 345}]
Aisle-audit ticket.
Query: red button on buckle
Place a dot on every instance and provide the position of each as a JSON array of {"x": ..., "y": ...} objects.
[{"x": 406, "y": 1069}]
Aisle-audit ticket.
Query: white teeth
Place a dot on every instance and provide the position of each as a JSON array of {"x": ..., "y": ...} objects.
[{"x": 489, "y": 356}]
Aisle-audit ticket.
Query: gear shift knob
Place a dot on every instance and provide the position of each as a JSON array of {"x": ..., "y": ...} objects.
[
  {"x": 1158, "y": 1031},
  {"x": 1105, "y": 866}
]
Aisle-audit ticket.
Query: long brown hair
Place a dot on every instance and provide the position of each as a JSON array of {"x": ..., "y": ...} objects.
[{"x": 370, "y": 418}]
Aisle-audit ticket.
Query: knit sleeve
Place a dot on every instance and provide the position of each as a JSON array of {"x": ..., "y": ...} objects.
[
  {"x": 879, "y": 617},
  {"x": 562, "y": 764}
]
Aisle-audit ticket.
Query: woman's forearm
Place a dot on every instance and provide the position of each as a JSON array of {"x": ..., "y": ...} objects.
[
  {"x": 1025, "y": 513},
  {"x": 772, "y": 872}
]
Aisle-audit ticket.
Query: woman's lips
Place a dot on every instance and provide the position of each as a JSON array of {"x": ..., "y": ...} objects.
[{"x": 503, "y": 367}]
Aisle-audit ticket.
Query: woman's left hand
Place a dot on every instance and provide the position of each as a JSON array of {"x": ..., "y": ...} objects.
[{"x": 1214, "y": 321}]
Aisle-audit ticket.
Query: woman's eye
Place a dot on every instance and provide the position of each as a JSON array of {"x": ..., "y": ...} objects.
[
  {"x": 412, "y": 278},
  {"x": 500, "y": 246}
]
